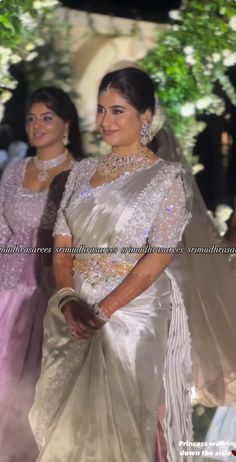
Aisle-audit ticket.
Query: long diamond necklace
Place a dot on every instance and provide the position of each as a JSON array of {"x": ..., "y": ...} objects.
[{"x": 45, "y": 165}]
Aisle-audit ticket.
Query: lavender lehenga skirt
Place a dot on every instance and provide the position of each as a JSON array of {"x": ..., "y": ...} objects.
[{"x": 22, "y": 310}]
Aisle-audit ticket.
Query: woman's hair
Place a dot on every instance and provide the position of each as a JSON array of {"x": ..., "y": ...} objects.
[
  {"x": 60, "y": 103},
  {"x": 136, "y": 86}
]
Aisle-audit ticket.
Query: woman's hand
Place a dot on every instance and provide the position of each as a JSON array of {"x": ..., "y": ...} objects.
[{"x": 81, "y": 320}]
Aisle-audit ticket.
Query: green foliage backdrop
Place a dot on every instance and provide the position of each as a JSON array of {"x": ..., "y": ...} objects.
[{"x": 192, "y": 55}]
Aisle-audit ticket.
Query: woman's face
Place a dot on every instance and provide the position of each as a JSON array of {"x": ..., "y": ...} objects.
[
  {"x": 44, "y": 128},
  {"x": 119, "y": 122}
]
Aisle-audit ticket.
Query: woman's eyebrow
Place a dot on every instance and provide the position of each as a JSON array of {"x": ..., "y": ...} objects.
[{"x": 42, "y": 113}]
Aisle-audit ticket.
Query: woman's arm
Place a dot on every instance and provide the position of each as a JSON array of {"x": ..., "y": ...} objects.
[
  {"x": 77, "y": 314},
  {"x": 62, "y": 262}
]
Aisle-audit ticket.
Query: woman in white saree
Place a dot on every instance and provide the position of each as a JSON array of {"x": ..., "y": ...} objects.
[{"x": 116, "y": 343}]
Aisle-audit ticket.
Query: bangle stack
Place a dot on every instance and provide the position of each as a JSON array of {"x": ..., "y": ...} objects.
[
  {"x": 65, "y": 295},
  {"x": 68, "y": 294}
]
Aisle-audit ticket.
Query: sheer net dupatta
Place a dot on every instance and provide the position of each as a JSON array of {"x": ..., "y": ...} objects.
[
  {"x": 209, "y": 288},
  {"x": 208, "y": 284}
]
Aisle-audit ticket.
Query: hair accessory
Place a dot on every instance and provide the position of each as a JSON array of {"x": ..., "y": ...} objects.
[
  {"x": 107, "y": 89},
  {"x": 158, "y": 120},
  {"x": 45, "y": 165}
]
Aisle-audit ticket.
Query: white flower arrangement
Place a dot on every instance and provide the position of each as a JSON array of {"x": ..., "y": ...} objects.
[
  {"x": 226, "y": 52},
  {"x": 1, "y": 110},
  {"x": 204, "y": 102},
  {"x": 28, "y": 21},
  {"x": 19, "y": 41},
  {"x": 5, "y": 96},
  {"x": 216, "y": 57},
  {"x": 31, "y": 56},
  {"x": 39, "y": 4},
  {"x": 175, "y": 15},
  {"x": 190, "y": 60},
  {"x": 188, "y": 109},
  {"x": 230, "y": 60},
  {"x": 188, "y": 50},
  {"x": 232, "y": 23}
]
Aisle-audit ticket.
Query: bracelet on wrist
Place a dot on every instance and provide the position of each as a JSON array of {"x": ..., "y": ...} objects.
[
  {"x": 61, "y": 294},
  {"x": 67, "y": 299},
  {"x": 98, "y": 312}
]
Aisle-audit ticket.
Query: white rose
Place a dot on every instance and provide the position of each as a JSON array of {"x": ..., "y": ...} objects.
[
  {"x": 187, "y": 109},
  {"x": 38, "y": 4},
  {"x": 31, "y": 56},
  {"x": 175, "y": 14},
  {"x": 1, "y": 111},
  {"x": 39, "y": 41},
  {"x": 5, "y": 54},
  {"x": 5, "y": 96},
  {"x": 197, "y": 168},
  {"x": 28, "y": 21},
  {"x": 15, "y": 59},
  {"x": 232, "y": 22},
  {"x": 230, "y": 60},
  {"x": 188, "y": 50},
  {"x": 204, "y": 102},
  {"x": 222, "y": 10},
  {"x": 30, "y": 46},
  {"x": 216, "y": 57},
  {"x": 223, "y": 212},
  {"x": 190, "y": 60}
]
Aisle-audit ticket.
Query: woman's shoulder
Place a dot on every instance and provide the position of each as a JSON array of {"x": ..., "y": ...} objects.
[
  {"x": 175, "y": 167},
  {"x": 78, "y": 172},
  {"x": 171, "y": 170},
  {"x": 170, "y": 174},
  {"x": 83, "y": 166}
]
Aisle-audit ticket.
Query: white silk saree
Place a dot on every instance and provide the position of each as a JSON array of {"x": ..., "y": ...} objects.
[{"x": 97, "y": 400}]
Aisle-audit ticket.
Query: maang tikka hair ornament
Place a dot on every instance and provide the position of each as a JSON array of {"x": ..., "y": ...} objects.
[{"x": 107, "y": 89}]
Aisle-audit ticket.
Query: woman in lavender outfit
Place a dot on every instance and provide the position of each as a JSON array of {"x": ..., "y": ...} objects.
[{"x": 30, "y": 194}]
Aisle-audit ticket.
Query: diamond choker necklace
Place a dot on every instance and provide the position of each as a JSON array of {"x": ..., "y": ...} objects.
[
  {"x": 110, "y": 166},
  {"x": 45, "y": 165}
]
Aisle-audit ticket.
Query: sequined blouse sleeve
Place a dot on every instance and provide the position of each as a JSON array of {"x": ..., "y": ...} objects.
[
  {"x": 61, "y": 227},
  {"x": 173, "y": 213},
  {"x": 5, "y": 231},
  {"x": 73, "y": 186}
]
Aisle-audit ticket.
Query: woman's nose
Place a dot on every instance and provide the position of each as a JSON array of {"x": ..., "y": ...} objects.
[
  {"x": 106, "y": 120},
  {"x": 37, "y": 123}
]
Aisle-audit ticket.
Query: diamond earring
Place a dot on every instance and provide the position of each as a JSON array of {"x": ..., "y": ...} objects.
[
  {"x": 65, "y": 140},
  {"x": 145, "y": 132}
]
